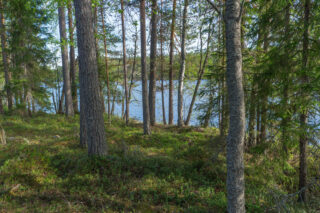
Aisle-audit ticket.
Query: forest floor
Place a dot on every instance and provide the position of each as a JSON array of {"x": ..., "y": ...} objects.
[{"x": 42, "y": 169}]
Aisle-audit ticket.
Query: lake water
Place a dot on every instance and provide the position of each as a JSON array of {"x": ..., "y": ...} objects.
[{"x": 136, "y": 102}]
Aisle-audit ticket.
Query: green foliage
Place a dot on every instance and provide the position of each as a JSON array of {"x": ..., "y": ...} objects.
[{"x": 171, "y": 170}]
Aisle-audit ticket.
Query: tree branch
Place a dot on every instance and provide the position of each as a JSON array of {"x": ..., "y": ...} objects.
[
  {"x": 241, "y": 9},
  {"x": 214, "y": 7}
]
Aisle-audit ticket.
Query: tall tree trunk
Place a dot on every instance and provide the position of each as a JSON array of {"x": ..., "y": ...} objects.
[
  {"x": 88, "y": 72},
  {"x": 252, "y": 115},
  {"x": 7, "y": 75},
  {"x": 174, "y": 4},
  {"x": 124, "y": 63},
  {"x": 264, "y": 101},
  {"x": 72, "y": 60},
  {"x": 106, "y": 58},
  {"x": 235, "y": 139},
  {"x": 286, "y": 81},
  {"x": 153, "y": 65},
  {"x": 145, "y": 101},
  {"x": 162, "y": 67},
  {"x": 183, "y": 64},
  {"x": 304, "y": 115},
  {"x": 65, "y": 66}
]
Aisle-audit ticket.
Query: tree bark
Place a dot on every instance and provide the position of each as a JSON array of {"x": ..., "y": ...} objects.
[
  {"x": 303, "y": 141},
  {"x": 124, "y": 63},
  {"x": 162, "y": 67},
  {"x": 72, "y": 60},
  {"x": 171, "y": 61},
  {"x": 235, "y": 139},
  {"x": 153, "y": 65},
  {"x": 183, "y": 64},
  {"x": 65, "y": 66},
  {"x": 90, "y": 96},
  {"x": 7, "y": 75},
  {"x": 145, "y": 101},
  {"x": 106, "y": 58}
]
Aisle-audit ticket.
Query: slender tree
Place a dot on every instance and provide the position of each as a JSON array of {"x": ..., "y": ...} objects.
[
  {"x": 124, "y": 63},
  {"x": 162, "y": 66},
  {"x": 90, "y": 96},
  {"x": 183, "y": 63},
  {"x": 153, "y": 65},
  {"x": 7, "y": 74},
  {"x": 72, "y": 59},
  {"x": 65, "y": 63},
  {"x": 145, "y": 101},
  {"x": 202, "y": 66},
  {"x": 303, "y": 141},
  {"x": 174, "y": 5},
  {"x": 105, "y": 57}
]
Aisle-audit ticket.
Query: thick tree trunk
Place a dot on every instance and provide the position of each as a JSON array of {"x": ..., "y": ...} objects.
[
  {"x": 235, "y": 139},
  {"x": 183, "y": 64},
  {"x": 174, "y": 4},
  {"x": 153, "y": 65},
  {"x": 124, "y": 63},
  {"x": 7, "y": 75},
  {"x": 106, "y": 58},
  {"x": 72, "y": 60},
  {"x": 145, "y": 101},
  {"x": 65, "y": 65},
  {"x": 304, "y": 115},
  {"x": 90, "y": 96}
]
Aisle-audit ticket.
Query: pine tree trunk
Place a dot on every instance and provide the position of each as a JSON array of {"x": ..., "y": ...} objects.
[
  {"x": 124, "y": 64},
  {"x": 106, "y": 59},
  {"x": 235, "y": 139},
  {"x": 7, "y": 75},
  {"x": 65, "y": 63},
  {"x": 91, "y": 105},
  {"x": 304, "y": 115},
  {"x": 171, "y": 62},
  {"x": 72, "y": 60},
  {"x": 145, "y": 101},
  {"x": 162, "y": 68},
  {"x": 153, "y": 65}
]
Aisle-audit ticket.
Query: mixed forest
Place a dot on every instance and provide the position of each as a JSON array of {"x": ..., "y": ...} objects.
[{"x": 160, "y": 106}]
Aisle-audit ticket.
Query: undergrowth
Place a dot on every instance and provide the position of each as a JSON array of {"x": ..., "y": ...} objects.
[{"x": 42, "y": 169}]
